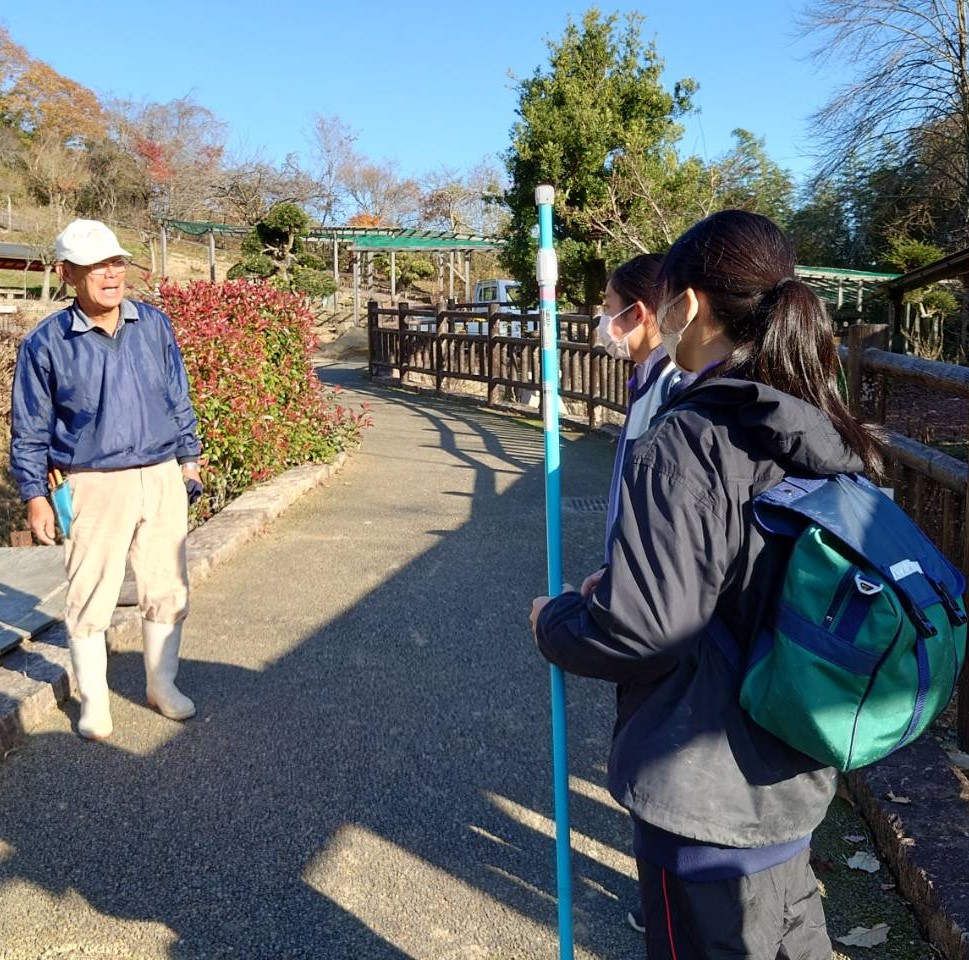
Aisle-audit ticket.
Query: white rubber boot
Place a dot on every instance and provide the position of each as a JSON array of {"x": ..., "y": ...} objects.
[
  {"x": 162, "y": 641},
  {"x": 89, "y": 657}
]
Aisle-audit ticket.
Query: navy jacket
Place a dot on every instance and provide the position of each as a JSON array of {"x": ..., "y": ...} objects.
[
  {"x": 685, "y": 758},
  {"x": 86, "y": 401}
]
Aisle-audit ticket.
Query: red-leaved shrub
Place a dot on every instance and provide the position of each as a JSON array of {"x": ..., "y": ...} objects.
[{"x": 260, "y": 405}]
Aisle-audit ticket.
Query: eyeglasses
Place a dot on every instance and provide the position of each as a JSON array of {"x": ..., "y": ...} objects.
[{"x": 115, "y": 266}]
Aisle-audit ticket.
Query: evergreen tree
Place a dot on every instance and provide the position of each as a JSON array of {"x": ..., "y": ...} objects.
[{"x": 600, "y": 127}]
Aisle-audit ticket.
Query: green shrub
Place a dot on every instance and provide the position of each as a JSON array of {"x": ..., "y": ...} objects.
[
  {"x": 251, "y": 265},
  {"x": 411, "y": 268},
  {"x": 312, "y": 283},
  {"x": 312, "y": 262}
]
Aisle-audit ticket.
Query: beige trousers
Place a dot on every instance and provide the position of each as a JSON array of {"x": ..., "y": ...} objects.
[{"x": 140, "y": 513}]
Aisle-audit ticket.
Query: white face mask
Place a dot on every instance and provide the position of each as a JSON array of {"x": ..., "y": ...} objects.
[
  {"x": 670, "y": 329},
  {"x": 615, "y": 346}
]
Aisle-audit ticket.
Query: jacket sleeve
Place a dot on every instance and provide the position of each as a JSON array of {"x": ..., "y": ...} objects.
[
  {"x": 31, "y": 421},
  {"x": 666, "y": 570},
  {"x": 189, "y": 447}
]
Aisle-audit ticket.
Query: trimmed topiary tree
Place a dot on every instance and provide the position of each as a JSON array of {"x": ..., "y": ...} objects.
[{"x": 275, "y": 250}]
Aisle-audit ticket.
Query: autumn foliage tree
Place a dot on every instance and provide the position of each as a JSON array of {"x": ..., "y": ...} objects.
[
  {"x": 35, "y": 99},
  {"x": 178, "y": 148},
  {"x": 56, "y": 119}
]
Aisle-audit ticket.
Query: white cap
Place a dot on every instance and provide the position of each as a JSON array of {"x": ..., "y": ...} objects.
[{"x": 87, "y": 241}]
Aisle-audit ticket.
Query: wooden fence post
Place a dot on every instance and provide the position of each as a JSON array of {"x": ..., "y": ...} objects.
[
  {"x": 493, "y": 347},
  {"x": 440, "y": 330},
  {"x": 895, "y": 321},
  {"x": 212, "y": 256},
  {"x": 592, "y": 377},
  {"x": 861, "y": 336},
  {"x": 372, "y": 336},
  {"x": 402, "y": 342},
  {"x": 962, "y": 714},
  {"x": 164, "y": 250}
]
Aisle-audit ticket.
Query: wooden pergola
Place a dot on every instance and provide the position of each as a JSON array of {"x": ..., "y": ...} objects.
[
  {"x": 363, "y": 242},
  {"x": 22, "y": 257},
  {"x": 842, "y": 289}
]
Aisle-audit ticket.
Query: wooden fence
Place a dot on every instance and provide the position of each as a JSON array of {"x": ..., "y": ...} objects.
[
  {"x": 496, "y": 355},
  {"x": 932, "y": 486}
]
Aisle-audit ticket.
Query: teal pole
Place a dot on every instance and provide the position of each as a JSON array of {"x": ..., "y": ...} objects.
[{"x": 546, "y": 273}]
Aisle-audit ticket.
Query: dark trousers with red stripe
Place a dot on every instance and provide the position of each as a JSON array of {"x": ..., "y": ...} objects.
[{"x": 772, "y": 915}]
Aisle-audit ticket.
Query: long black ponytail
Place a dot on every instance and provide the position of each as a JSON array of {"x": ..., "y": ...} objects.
[{"x": 782, "y": 336}]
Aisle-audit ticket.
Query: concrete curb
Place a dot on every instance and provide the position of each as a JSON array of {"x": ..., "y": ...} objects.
[
  {"x": 37, "y": 676},
  {"x": 923, "y": 835}
]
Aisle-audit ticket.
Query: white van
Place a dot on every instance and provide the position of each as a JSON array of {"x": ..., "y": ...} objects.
[
  {"x": 501, "y": 291},
  {"x": 507, "y": 295}
]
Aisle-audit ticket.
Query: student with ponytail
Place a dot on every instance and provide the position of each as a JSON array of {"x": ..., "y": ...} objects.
[{"x": 722, "y": 811}]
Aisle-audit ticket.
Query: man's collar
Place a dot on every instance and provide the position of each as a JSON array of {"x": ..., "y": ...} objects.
[{"x": 81, "y": 322}]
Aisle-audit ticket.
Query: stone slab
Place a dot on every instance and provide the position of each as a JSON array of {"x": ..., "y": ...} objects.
[
  {"x": 32, "y": 586},
  {"x": 925, "y": 840}
]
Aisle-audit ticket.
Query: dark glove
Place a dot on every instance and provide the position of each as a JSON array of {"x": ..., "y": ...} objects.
[{"x": 194, "y": 489}]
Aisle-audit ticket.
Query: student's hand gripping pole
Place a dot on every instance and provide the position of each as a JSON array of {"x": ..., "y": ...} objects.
[{"x": 547, "y": 275}]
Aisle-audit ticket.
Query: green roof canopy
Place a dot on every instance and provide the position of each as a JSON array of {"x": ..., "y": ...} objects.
[
  {"x": 198, "y": 228},
  {"x": 418, "y": 240},
  {"x": 832, "y": 284},
  {"x": 362, "y": 238},
  {"x": 837, "y": 285}
]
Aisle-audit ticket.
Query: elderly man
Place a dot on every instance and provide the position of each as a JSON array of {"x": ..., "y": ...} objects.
[{"x": 100, "y": 394}]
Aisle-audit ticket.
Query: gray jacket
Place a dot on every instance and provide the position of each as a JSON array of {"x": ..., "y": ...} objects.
[{"x": 685, "y": 757}]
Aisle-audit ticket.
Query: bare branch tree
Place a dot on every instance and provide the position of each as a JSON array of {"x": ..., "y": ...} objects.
[
  {"x": 178, "y": 147},
  {"x": 247, "y": 189},
  {"x": 912, "y": 62},
  {"x": 332, "y": 143},
  {"x": 377, "y": 192},
  {"x": 463, "y": 202}
]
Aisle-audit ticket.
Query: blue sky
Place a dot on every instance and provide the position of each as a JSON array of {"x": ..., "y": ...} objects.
[{"x": 423, "y": 83}]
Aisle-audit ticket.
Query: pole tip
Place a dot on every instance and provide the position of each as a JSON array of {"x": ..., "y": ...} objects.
[{"x": 544, "y": 194}]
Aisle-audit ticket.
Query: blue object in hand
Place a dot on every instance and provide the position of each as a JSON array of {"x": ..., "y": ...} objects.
[
  {"x": 60, "y": 498},
  {"x": 194, "y": 489}
]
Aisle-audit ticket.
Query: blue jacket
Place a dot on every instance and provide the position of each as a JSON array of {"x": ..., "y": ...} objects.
[{"x": 86, "y": 401}]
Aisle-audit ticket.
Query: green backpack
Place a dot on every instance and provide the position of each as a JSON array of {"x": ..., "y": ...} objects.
[{"x": 865, "y": 644}]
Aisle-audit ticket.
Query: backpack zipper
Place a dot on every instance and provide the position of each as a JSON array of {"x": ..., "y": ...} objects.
[{"x": 845, "y": 584}]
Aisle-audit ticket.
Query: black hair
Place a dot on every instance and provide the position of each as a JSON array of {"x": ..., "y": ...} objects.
[
  {"x": 636, "y": 279},
  {"x": 782, "y": 336}
]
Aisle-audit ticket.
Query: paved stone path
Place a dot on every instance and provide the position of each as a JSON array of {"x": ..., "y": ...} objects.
[{"x": 369, "y": 775}]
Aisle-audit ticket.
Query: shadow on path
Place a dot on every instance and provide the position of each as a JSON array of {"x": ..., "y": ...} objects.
[{"x": 369, "y": 776}]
